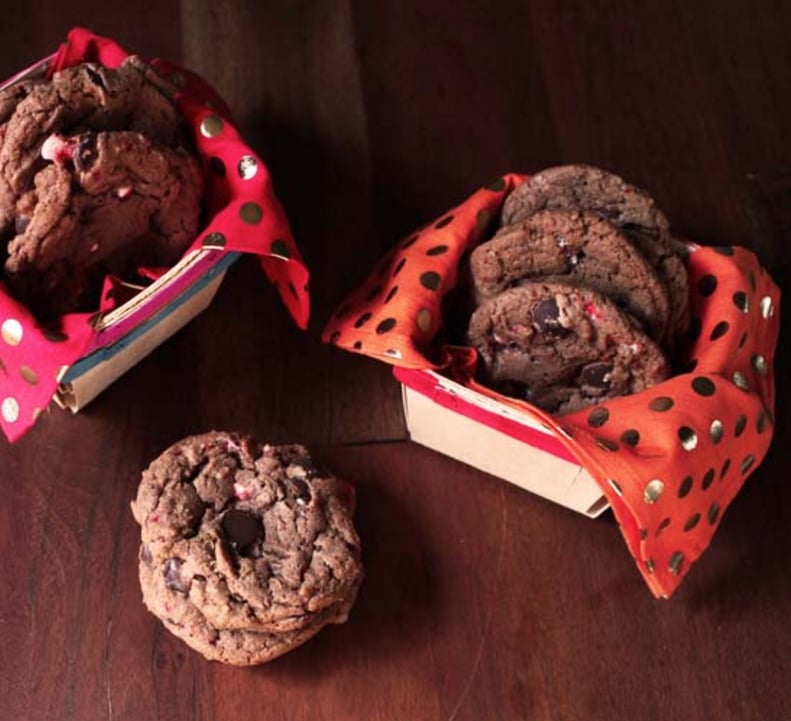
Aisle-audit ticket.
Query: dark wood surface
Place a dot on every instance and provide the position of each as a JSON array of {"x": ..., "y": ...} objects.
[{"x": 481, "y": 601}]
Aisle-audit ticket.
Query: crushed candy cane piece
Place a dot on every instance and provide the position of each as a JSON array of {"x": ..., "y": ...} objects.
[
  {"x": 58, "y": 149},
  {"x": 241, "y": 491}
]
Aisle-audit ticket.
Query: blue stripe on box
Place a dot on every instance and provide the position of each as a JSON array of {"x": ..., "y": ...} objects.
[{"x": 83, "y": 365}]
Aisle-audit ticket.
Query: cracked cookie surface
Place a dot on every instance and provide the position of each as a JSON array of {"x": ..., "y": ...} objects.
[
  {"x": 562, "y": 348},
  {"x": 574, "y": 247},
  {"x": 95, "y": 178},
  {"x": 247, "y": 549},
  {"x": 630, "y": 209}
]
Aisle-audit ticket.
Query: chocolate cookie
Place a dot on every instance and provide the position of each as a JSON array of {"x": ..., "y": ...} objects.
[
  {"x": 562, "y": 347},
  {"x": 247, "y": 549},
  {"x": 107, "y": 202},
  {"x": 631, "y": 210},
  {"x": 574, "y": 247},
  {"x": 76, "y": 201}
]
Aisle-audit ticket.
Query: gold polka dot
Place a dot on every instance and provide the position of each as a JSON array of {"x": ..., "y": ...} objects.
[
  {"x": 692, "y": 521},
  {"x": 661, "y": 404},
  {"x": 211, "y": 126},
  {"x": 482, "y": 219},
  {"x": 688, "y": 438},
  {"x": 12, "y": 331},
  {"x": 615, "y": 486},
  {"x": 741, "y": 301},
  {"x": 716, "y": 430},
  {"x": 759, "y": 363},
  {"x": 653, "y": 491},
  {"x": 10, "y": 409},
  {"x": 29, "y": 375},
  {"x": 393, "y": 353},
  {"x": 649, "y": 564},
  {"x": 714, "y": 513},
  {"x": 214, "y": 241},
  {"x": 251, "y": 213},
  {"x": 630, "y": 437},
  {"x": 598, "y": 417},
  {"x": 606, "y": 444},
  {"x": 767, "y": 308},
  {"x": 760, "y": 424},
  {"x": 662, "y": 526},
  {"x": 247, "y": 168},
  {"x": 740, "y": 381},
  {"x": 676, "y": 563},
  {"x": 747, "y": 463},
  {"x": 424, "y": 320}
]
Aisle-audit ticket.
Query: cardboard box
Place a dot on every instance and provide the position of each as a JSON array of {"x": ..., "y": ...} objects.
[
  {"x": 129, "y": 333},
  {"x": 464, "y": 424}
]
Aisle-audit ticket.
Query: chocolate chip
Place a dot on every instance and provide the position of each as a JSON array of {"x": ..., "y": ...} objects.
[
  {"x": 546, "y": 316},
  {"x": 85, "y": 153},
  {"x": 597, "y": 375},
  {"x": 172, "y": 574},
  {"x": 145, "y": 555},
  {"x": 20, "y": 224},
  {"x": 242, "y": 529},
  {"x": 302, "y": 491},
  {"x": 95, "y": 77},
  {"x": 306, "y": 464}
]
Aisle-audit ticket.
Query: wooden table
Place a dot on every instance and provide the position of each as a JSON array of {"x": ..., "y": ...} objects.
[{"x": 481, "y": 601}]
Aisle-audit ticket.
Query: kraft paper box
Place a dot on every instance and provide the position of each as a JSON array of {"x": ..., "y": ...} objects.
[{"x": 464, "y": 424}]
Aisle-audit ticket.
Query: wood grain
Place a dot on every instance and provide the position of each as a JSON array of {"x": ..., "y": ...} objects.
[{"x": 481, "y": 601}]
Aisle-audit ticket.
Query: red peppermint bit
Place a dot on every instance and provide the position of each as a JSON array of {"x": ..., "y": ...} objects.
[
  {"x": 591, "y": 311},
  {"x": 124, "y": 191},
  {"x": 241, "y": 492},
  {"x": 58, "y": 149},
  {"x": 154, "y": 518}
]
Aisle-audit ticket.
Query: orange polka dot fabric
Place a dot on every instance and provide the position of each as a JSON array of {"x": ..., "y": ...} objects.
[
  {"x": 244, "y": 216},
  {"x": 669, "y": 459}
]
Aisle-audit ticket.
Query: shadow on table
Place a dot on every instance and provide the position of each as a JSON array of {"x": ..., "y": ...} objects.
[{"x": 394, "y": 604}]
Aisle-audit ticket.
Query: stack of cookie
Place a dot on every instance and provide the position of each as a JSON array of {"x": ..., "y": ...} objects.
[
  {"x": 580, "y": 294},
  {"x": 97, "y": 177},
  {"x": 247, "y": 549}
]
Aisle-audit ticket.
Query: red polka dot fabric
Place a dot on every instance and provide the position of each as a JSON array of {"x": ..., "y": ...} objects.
[
  {"x": 245, "y": 216},
  {"x": 669, "y": 459}
]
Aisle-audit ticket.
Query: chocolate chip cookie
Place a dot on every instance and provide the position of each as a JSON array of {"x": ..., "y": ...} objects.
[
  {"x": 574, "y": 247},
  {"x": 247, "y": 549},
  {"x": 97, "y": 176},
  {"x": 562, "y": 347},
  {"x": 630, "y": 209}
]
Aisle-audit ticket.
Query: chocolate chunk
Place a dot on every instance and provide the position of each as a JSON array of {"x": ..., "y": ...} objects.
[
  {"x": 95, "y": 77},
  {"x": 20, "y": 223},
  {"x": 306, "y": 464},
  {"x": 302, "y": 491},
  {"x": 597, "y": 375},
  {"x": 546, "y": 316},
  {"x": 242, "y": 529},
  {"x": 85, "y": 154},
  {"x": 173, "y": 578},
  {"x": 145, "y": 554}
]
